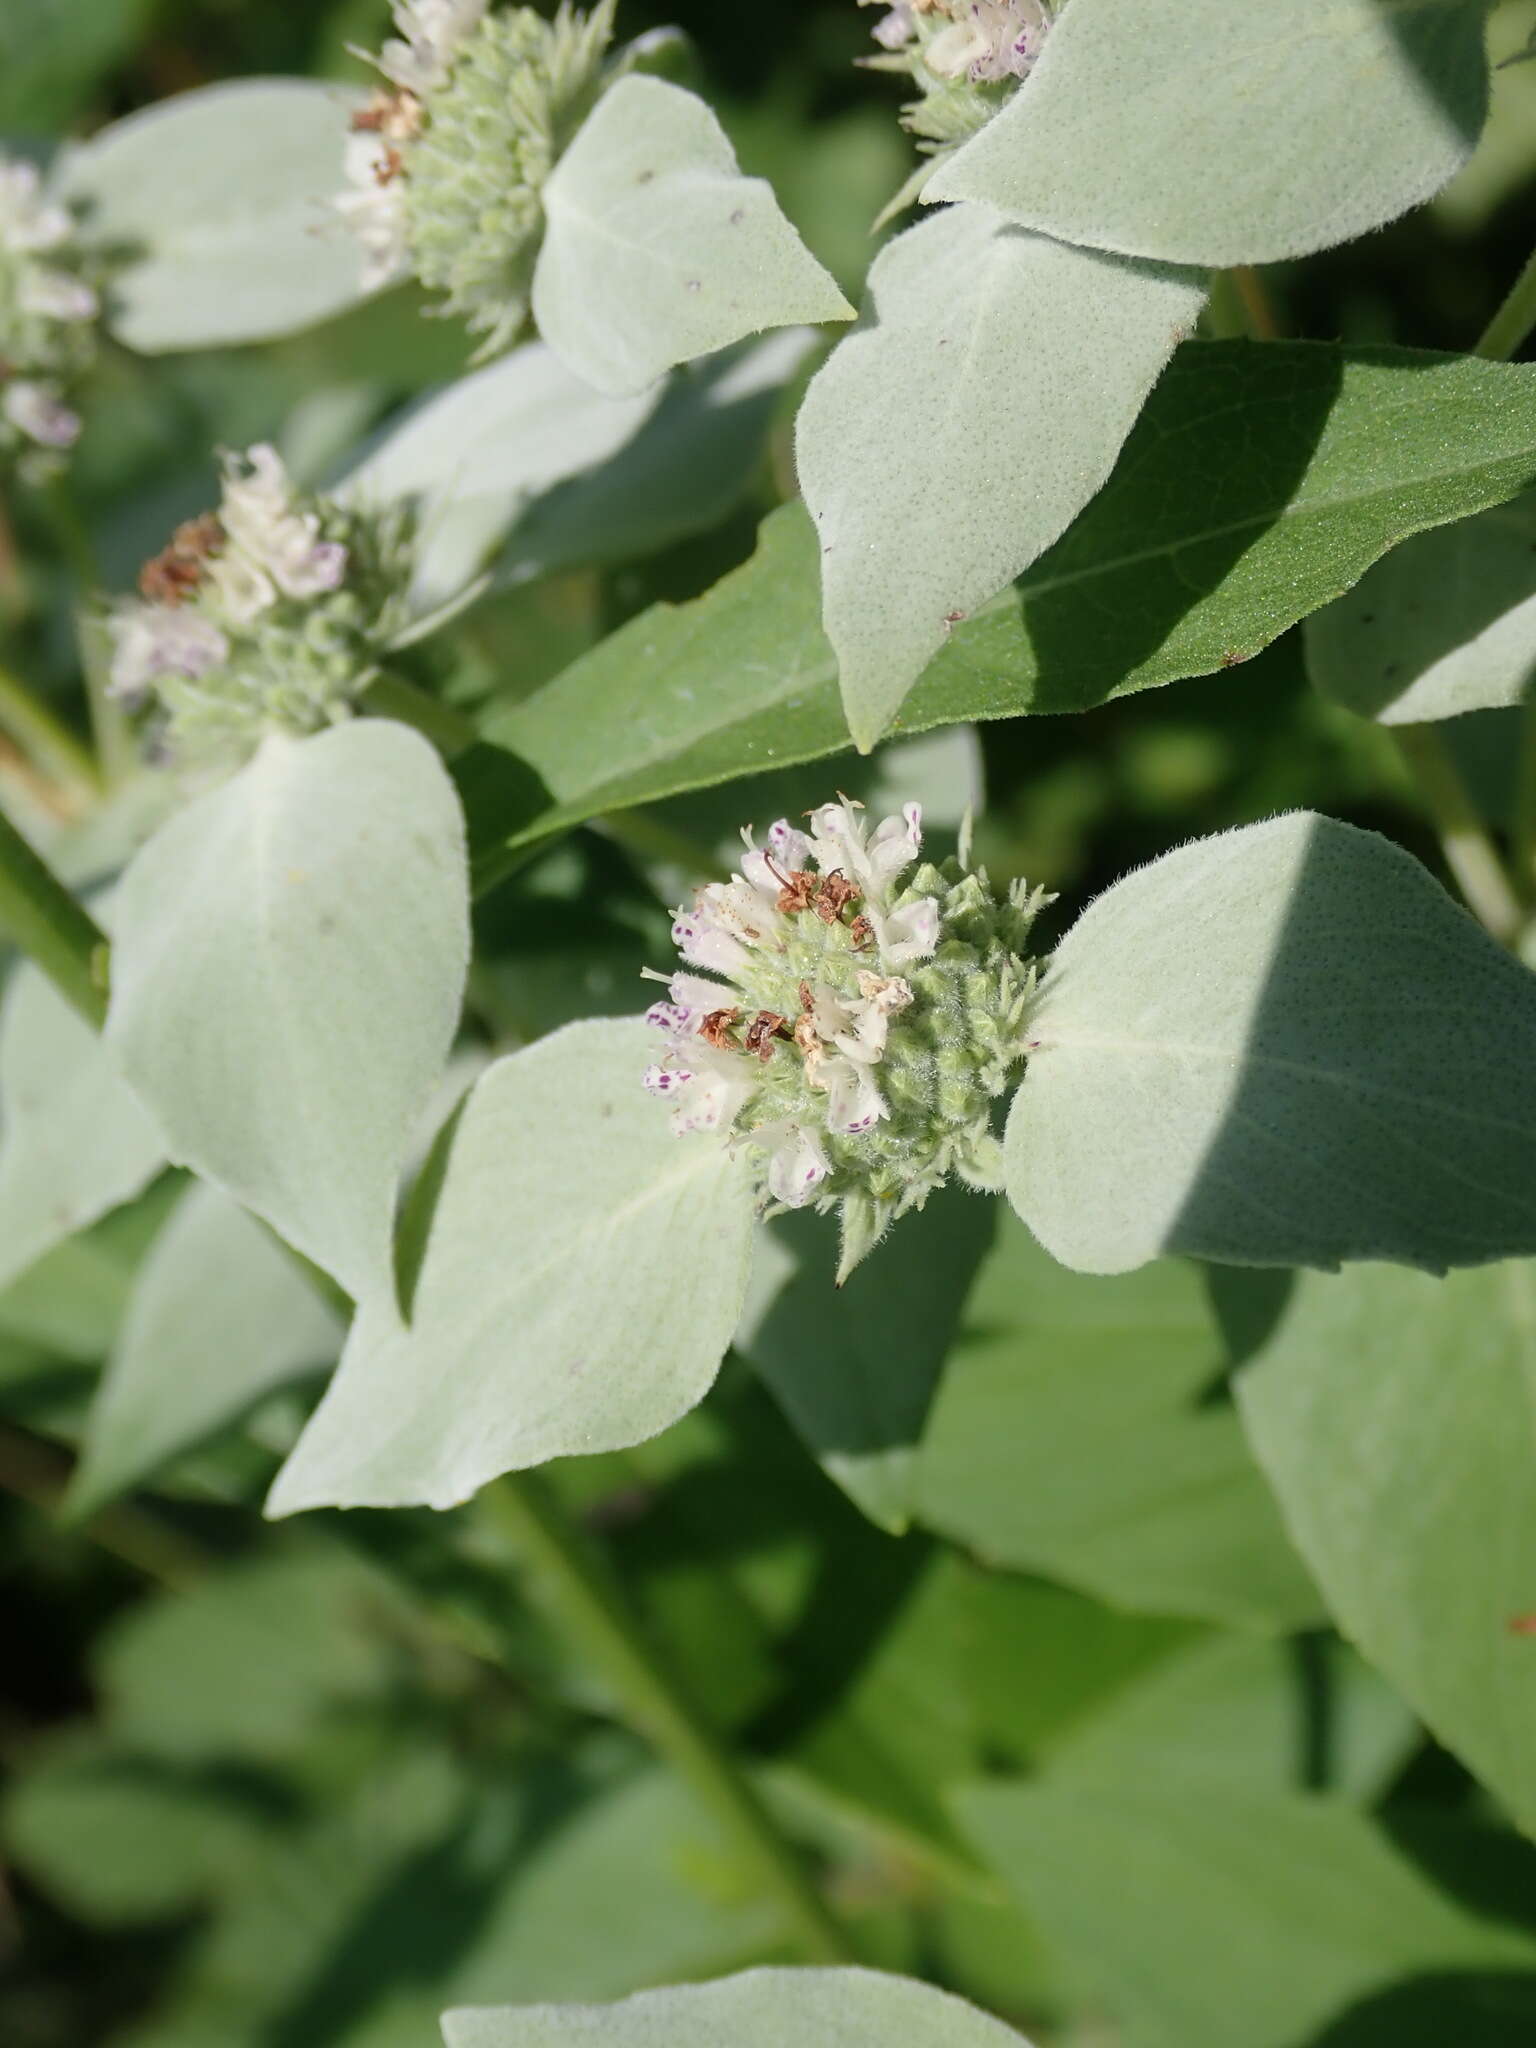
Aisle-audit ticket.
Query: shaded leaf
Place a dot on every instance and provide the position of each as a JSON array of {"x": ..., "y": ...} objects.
[
  {"x": 1018, "y": 365},
  {"x": 1283, "y": 1045}
]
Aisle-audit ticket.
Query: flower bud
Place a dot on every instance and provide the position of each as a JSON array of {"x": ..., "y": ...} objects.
[
  {"x": 47, "y": 324},
  {"x": 863, "y": 1025}
]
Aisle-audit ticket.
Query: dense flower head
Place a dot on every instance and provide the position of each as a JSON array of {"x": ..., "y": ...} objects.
[
  {"x": 846, "y": 1017},
  {"x": 266, "y": 615},
  {"x": 47, "y": 322},
  {"x": 446, "y": 164},
  {"x": 966, "y": 57}
]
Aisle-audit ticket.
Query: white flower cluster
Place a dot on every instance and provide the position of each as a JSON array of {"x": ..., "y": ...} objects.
[
  {"x": 45, "y": 312},
  {"x": 415, "y": 62},
  {"x": 780, "y": 927},
  {"x": 256, "y": 548},
  {"x": 981, "y": 40}
]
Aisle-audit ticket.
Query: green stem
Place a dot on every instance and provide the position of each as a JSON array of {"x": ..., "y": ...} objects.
[
  {"x": 38, "y": 913},
  {"x": 46, "y": 741},
  {"x": 1239, "y": 307},
  {"x": 592, "y": 1607},
  {"x": 115, "y": 749},
  {"x": 391, "y": 696},
  {"x": 1470, "y": 853},
  {"x": 1514, "y": 320}
]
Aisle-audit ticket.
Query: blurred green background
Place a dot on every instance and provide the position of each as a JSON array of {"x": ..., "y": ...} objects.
[{"x": 267, "y": 1786}]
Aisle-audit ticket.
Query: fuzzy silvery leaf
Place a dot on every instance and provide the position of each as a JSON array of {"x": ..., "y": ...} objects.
[
  {"x": 1221, "y": 132},
  {"x": 74, "y": 1139},
  {"x": 219, "y": 200},
  {"x": 288, "y": 963},
  {"x": 657, "y": 249},
  {"x": 954, "y": 435},
  {"x": 582, "y": 1272},
  {"x": 1444, "y": 624},
  {"x": 1392, "y": 1416},
  {"x": 1283, "y": 1045},
  {"x": 759, "y": 2009},
  {"x": 220, "y": 1315}
]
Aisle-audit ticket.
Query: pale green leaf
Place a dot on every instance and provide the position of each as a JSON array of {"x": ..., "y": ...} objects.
[
  {"x": 1444, "y": 624},
  {"x": 220, "y": 1316},
  {"x": 582, "y": 1274},
  {"x": 1214, "y": 131},
  {"x": 855, "y": 1367},
  {"x": 1392, "y": 1414},
  {"x": 758, "y": 2009},
  {"x": 286, "y": 975},
  {"x": 219, "y": 199},
  {"x": 1204, "y": 1915},
  {"x": 1257, "y": 484},
  {"x": 1016, "y": 367},
  {"x": 1072, "y": 1435},
  {"x": 657, "y": 249},
  {"x": 74, "y": 1141},
  {"x": 1283, "y": 1045}
]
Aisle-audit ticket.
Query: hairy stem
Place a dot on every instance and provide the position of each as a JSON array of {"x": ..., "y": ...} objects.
[
  {"x": 593, "y": 1611},
  {"x": 40, "y": 916},
  {"x": 1470, "y": 853}
]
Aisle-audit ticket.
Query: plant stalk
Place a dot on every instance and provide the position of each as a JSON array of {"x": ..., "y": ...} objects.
[
  {"x": 1469, "y": 851},
  {"x": 1515, "y": 319},
  {"x": 46, "y": 741},
  {"x": 61, "y": 937},
  {"x": 593, "y": 1610}
]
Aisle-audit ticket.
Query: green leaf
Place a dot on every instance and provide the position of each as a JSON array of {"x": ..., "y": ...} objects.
[
  {"x": 74, "y": 1142},
  {"x": 219, "y": 198},
  {"x": 1072, "y": 1435},
  {"x": 221, "y": 1316},
  {"x": 1391, "y": 1414},
  {"x": 657, "y": 249},
  {"x": 521, "y": 468},
  {"x": 1016, "y": 366},
  {"x": 758, "y": 2009},
  {"x": 1203, "y": 131},
  {"x": 1283, "y": 1045},
  {"x": 1444, "y": 624},
  {"x": 286, "y": 975},
  {"x": 1202, "y": 1915},
  {"x": 582, "y": 1274},
  {"x": 854, "y": 1367},
  {"x": 1199, "y": 550}
]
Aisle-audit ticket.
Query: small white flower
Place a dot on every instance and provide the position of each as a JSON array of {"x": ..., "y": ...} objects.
[
  {"x": 797, "y": 1165},
  {"x": 278, "y": 543},
  {"x": 839, "y": 840},
  {"x": 994, "y": 39},
  {"x": 29, "y": 222},
  {"x": 702, "y": 939},
  {"x": 154, "y": 640},
  {"x": 909, "y": 934},
  {"x": 706, "y": 1087},
  {"x": 895, "y": 29},
  {"x": 854, "y": 1103},
  {"x": 55, "y": 295},
  {"x": 373, "y": 207},
  {"x": 36, "y": 410},
  {"x": 431, "y": 33}
]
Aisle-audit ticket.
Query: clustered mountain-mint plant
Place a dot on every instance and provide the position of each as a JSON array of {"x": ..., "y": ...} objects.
[
  {"x": 863, "y": 1028},
  {"x": 267, "y": 615},
  {"x": 966, "y": 57},
  {"x": 447, "y": 160},
  {"x": 47, "y": 323}
]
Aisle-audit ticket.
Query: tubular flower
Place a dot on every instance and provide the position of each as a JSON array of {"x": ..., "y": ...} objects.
[
  {"x": 966, "y": 57},
  {"x": 446, "y": 163},
  {"x": 265, "y": 616},
  {"x": 845, "y": 1028},
  {"x": 47, "y": 323}
]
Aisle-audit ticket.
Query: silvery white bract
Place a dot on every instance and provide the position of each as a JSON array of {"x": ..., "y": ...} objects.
[
  {"x": 1284, "y": 1045},
  {"x": 1017, "y": 366},
  {"x": 217, "y": 200},
  {"x": 1391, "y": 1414},
  {"x": 759, "y": 2009},
  {"x": 288, "y": 967},
  {"x": 657, "y": 249},
  {"x": 1223, "y": 131},
  {"x": 74, "y": 1139},
  {"x": 581, "y": 1277},
  {"x": 1444, "y": 624},
  {"x": 220, "y": 1316}
]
